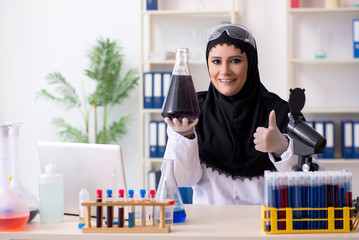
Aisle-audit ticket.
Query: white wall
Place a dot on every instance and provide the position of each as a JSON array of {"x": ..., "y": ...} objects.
[{"x": 41, "y": 36}]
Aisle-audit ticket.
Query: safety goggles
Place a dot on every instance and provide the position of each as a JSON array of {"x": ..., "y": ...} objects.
[{"x": 233, "y": 30}]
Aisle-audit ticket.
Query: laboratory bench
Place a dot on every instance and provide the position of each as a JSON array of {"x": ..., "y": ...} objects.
[{"x": 203, "y": 222}]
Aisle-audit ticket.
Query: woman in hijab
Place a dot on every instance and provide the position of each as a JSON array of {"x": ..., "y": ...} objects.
[{"x": 239, "y": 134}]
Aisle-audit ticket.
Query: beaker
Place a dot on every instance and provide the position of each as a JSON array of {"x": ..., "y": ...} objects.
[
  {"x": 181, "y": 100},
  {"x": 15, "y": 184},
  {"x": 14, "y": 212},
  {"x": 168, "y": 189}
]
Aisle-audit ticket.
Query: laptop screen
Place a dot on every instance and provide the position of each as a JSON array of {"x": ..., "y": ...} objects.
[{"x": 84, "y": 165}]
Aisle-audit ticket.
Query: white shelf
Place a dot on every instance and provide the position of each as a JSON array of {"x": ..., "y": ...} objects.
[
  {"x": 339, "y": 161},
  {"x": 172, "y": 62},
  {"x": 325, "y": 61},
  {"x": 190, "y": 13},
  {"x": 322, "y": 10},
  {"x": 331, "y": 110}
]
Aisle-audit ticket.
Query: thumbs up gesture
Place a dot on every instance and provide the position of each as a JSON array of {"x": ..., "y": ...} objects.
[{"x": 270, "y": 139}]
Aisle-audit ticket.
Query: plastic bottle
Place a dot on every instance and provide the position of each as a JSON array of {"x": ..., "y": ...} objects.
[
  {"x": 168, "y": 189},
  {"x": 84, "y": 195},
  {"x": 14, "y": 212},
  {"x": 51, "y": 195},
  {"x": 181, "y": 100}
]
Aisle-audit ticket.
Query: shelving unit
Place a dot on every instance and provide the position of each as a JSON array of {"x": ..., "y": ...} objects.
[
  {"x": 165, "y": 30},
  {"x": 331, "y": 83}
]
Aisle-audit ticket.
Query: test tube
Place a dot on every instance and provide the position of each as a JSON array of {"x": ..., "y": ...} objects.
[
  {"x": 131, "y": 211},
  {"x": 348, "y": 193},
  {"x": 341, "y": 197},
  {"x": 313, "y": 200},
  {"x": 143, "y": 208},
  {"x": 321, "y": 197},
  {"x": 121, "y": 210},
  {"x": 283, "y": 199},
  {"x": 267, "y": 198},
  {"x": 99, "y": 209},
  {"x": 109, "y": 209},
  {"x": 152, "y": 208}
]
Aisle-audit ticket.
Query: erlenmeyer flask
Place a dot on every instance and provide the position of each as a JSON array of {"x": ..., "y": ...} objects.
[
  {"x": 168, "y": 189},
  {"x": 15, "y": 184},
  {"x": 14, "y": 212},
  {"x": 181, "y": 100}
]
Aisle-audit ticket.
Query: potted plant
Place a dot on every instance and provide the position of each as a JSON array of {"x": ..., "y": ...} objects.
[{"x": 112, "y": 87}]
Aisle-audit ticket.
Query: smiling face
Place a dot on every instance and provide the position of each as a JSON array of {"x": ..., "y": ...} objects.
[{"x": 227, "y": 68}]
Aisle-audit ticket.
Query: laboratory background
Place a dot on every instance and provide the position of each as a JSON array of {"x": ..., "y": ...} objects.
[{"x": 38, "y": 37}]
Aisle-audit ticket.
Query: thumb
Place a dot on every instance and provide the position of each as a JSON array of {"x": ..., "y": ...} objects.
[{"x": 272, "y": 122}]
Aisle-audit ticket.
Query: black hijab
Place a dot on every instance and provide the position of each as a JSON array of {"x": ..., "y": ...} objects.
[{"x": 227, "y": 123}]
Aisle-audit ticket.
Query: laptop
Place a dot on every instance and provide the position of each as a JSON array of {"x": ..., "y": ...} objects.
[{"x": 84, "y": 165}]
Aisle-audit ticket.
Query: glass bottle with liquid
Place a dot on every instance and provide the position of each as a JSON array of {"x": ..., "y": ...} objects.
[
  {"x": 168, "y": 189},
  {"x": 15, "y": 184},
  {"x": 14, "y": 212},
  {"x": 181, "y": 100}
]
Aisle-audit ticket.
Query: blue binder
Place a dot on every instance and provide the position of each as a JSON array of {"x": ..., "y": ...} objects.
[
  {"x": 148, "y": 90},
  {"x": 329, "y": 135},
  {"x": 162, "y": 139},
  {"x": 166, "y": 79},
  {"x": 157, "y": 90},
  {"x": 356, "y": 139},
  {"x": 153, "y": 139},
  {"x": 151, "y": 4},
  {"x": 320, "y": 128},
  {"x": 356, "y": 37},
  {"x": 347, "y": 132}
]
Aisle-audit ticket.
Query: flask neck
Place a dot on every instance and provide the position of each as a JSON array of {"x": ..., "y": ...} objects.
[
  {"x": 4, "y": 134},
  {"x": 181, "y": 65}
]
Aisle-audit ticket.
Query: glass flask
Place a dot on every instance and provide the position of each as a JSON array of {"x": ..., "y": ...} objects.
[
  {"x": 320, "y": 53},
  {"x": 168, "y": 189},
  {"x": 14, "y": 212},
  {"x": 15, "y": 184},
  {"x": 181, "y": 100}
]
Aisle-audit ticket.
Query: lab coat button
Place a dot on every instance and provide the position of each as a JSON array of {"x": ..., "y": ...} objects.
[{"x": 237, "y": 198}]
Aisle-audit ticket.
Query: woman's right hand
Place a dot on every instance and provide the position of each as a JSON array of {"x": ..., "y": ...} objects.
[{"x": 184, "y": 128}]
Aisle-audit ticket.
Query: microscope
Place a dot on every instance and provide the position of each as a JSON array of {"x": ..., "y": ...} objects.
[{"x": 306, "y": 140}]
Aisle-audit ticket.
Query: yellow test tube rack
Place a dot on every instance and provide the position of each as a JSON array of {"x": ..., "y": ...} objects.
[
  {"x": 157, "y": 228},
  {"x": 270, "y": 220}
]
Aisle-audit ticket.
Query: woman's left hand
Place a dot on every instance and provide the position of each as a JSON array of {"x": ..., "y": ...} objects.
[{"x": 270, "y": 139}]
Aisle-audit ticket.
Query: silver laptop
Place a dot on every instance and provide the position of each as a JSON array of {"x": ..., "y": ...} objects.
[{"x": 84, "y": 165}]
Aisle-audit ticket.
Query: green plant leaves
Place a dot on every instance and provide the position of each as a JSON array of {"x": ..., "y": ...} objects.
[
  {"x": 111, "y": 89},
  {"x": 69, "y": 133}
]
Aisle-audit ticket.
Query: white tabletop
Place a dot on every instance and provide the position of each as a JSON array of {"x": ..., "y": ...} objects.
[{"x": 203, "y": 222}]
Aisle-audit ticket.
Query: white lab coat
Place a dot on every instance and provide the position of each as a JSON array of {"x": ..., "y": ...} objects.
[{"x": 209, "y": 187}]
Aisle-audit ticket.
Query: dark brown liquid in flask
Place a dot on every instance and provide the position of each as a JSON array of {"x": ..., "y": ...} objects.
[{"x": 181, "y": 100}]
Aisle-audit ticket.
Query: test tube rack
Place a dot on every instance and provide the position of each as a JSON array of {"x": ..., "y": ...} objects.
[
  {"x": 161, "y": 227},
  {"x": 271, "y": 223}
]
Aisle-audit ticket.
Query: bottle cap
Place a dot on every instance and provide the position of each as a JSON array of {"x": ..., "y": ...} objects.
[
  {"x": 142, "y": 193},
  {"x": 121, "y": 193},
  {"x": 130, "y": 193},
  {"x": 99, "y": 193},
  {"x": 152, "y": 193},
  {"x": 50, "y": 168},
  {"x": 109, "y": 193}
]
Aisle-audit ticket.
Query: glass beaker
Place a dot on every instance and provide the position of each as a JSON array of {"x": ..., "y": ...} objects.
[
  {"x": 15, "y": 184},
  {"x": 14, "y": 212},
  {"x": 168, "y": 189},
  {"x": 181, "y": 100}
]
